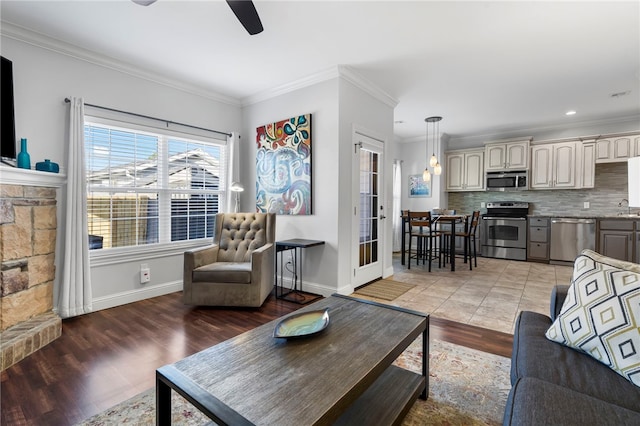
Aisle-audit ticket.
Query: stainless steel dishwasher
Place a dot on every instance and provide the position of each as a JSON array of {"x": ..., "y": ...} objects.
[{"x": 569, "y": 236}]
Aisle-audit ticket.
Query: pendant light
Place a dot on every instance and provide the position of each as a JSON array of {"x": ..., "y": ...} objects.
[
  {"x": 433, "y": 161},
  {"x": 426, "y": 175}
]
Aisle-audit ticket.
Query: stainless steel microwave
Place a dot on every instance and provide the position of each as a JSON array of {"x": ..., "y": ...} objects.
[{"x": 516, "y": 180}]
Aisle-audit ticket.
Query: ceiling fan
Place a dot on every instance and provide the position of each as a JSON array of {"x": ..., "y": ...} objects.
[{"x": 244, "y": 10}]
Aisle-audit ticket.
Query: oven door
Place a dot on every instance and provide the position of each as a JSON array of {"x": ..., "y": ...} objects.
[{"x": 504, "y": 232}]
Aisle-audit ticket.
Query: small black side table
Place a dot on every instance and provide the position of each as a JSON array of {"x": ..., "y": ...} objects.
[{"x": 295, "y": 294}]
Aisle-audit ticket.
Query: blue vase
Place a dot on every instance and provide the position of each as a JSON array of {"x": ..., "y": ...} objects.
[{"x": 24, "y": 159}]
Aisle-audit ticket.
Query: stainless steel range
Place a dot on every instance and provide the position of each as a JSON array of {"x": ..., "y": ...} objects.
[{"x": 504, "y": 230}]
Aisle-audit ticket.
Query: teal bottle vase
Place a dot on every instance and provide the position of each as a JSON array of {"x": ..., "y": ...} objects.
[{"x": 24, "y": 159}]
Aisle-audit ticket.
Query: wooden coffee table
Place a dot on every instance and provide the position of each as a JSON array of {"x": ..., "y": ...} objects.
[{"x": 341, "y": 375}]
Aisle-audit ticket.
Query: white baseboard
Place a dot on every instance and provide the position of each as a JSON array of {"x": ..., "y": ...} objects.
[
  {"x": 387, "y": 272},
  {"x": 118, "y": 299},
  {"x": 313, "y": 288}
]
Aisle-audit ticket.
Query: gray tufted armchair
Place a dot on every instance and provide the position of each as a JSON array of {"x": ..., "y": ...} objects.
[{"x": 238, "y": 269}]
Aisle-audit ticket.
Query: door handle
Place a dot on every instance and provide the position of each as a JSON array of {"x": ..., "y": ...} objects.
[{"x": 382, "y": 216}]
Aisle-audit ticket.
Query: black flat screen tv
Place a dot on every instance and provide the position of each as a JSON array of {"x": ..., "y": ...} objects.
[{"x": 7, "y": 115}]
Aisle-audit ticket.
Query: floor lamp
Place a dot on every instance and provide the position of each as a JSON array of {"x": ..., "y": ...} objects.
[{"x": 236, "y": 187}]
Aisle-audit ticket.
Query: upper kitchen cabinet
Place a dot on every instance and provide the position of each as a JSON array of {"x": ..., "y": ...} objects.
[
  {"x": 617, "y": 148},
  {"x": 465, "y": 170},
  {"x": 507, "y": 155},
  {"x": 562, "y": 165}
]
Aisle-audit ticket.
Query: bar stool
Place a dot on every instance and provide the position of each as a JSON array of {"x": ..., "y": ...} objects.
[
  {"x": 420, "y": 227},
  {"x": 469, "y": 235}
]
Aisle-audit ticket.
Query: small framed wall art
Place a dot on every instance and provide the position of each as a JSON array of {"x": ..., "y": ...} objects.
[{"x": 418, "y": 187}]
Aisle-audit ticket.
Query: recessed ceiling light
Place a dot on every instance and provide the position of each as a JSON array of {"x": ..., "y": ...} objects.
[{"x": 571, "y": 112}]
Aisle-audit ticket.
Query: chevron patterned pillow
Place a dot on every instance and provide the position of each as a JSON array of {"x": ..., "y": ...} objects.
[{"x": 601, "y": 314}]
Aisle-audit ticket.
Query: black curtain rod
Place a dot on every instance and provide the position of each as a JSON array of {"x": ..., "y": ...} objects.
[{"x": 67, "y": 100}]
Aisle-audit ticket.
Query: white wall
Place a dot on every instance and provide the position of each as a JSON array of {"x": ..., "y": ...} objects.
[
  {"x": 414, "y": 159},
  {"x": 42, "y": 79},
  {"x": 374, "y": 118},
  {"x": 320, "y": 100},
  {"x": 336, "y": 106}
]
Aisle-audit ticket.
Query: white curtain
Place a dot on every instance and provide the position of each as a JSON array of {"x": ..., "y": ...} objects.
[
  {"x": 396, "y": 222},
  {"x": 233, "y": 160},
  {"x": 74, "y": 294}
]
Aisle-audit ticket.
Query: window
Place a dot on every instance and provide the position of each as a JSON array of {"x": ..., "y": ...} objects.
[{"x": 149, "y": 187}]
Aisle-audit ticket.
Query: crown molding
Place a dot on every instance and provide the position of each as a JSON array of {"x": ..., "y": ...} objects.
[
  {"x": 339, "y": 71},
  {"x": 319, "y": 77},
  {"x": 498, "y": 133},
  {"x": 34, "y": 38},
  {"x": 357, "y": 79}
]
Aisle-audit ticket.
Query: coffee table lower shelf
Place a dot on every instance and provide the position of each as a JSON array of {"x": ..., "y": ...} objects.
[{"x": 387, "y": 401}]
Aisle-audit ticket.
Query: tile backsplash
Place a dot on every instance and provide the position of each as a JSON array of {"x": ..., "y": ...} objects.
[{"x": 610, "y": 188}]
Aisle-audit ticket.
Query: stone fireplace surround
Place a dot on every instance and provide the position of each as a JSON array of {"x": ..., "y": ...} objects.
[{"x": 28, "y": 227}]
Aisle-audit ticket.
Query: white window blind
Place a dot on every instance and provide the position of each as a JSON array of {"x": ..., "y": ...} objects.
[{"x": 151, "y": 187}]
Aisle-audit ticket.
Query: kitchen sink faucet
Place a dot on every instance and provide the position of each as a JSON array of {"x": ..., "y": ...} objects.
[{"x": 628, "y": 207}]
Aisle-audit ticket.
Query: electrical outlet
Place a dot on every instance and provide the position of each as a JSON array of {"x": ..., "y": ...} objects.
[
  {"x": 586, "y": 205},
  {"x": 483, "y": 205},
  {"x": 145, "y": 273}
]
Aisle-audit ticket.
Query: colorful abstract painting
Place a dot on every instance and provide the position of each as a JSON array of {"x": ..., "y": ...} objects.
[{"x": 283, "y": 167}]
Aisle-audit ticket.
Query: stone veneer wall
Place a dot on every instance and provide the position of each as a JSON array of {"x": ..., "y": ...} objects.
[
  {"x": 27, "y": 253},
  {"x": 610, "y": 188}
]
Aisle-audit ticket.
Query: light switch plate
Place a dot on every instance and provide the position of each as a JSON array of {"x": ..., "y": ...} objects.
[{"x": 586, "y": 204}]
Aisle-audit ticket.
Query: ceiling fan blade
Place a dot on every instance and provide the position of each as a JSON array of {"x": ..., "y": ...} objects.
[
  {"x": 143, "y": 2},
  {"x": 247, "y": 14}
]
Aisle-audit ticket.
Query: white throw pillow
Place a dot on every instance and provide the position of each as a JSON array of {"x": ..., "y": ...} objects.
[{"x": 601, "y": 314}]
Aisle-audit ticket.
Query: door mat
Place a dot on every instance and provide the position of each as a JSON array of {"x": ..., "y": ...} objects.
[{"x": 384, "y": 289}]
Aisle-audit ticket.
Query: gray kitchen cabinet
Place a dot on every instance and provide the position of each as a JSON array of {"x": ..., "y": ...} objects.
[
  {"x": 538, "y": 244},
  {"x": 617, "y": 239}
]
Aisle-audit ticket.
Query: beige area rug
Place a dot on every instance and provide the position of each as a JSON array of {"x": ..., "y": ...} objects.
[
  {"x": 384, "y": 289},
  {"x": 466, "y": 387}
]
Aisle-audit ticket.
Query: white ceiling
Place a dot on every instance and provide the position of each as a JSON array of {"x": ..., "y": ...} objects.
[{"x": 486, "y": 67}]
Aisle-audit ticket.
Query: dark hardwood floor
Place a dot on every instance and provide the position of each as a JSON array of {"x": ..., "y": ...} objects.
[{"x": 108, "y": 356}]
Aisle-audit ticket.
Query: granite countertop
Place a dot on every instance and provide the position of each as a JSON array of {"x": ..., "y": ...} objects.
[{"x": 586, "y": 216}]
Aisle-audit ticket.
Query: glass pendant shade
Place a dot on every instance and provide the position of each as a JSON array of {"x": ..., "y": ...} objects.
[
  {"x": 433, "y": 161},
  {"x": 426, "y": 175},
  {"x": 437, "y": 169}
]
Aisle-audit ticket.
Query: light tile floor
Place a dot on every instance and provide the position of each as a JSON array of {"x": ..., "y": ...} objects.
[{"x": 489, "y": 296}]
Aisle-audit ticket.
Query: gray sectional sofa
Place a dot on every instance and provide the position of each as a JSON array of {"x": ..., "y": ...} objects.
[{"x": 553, "y": 384}]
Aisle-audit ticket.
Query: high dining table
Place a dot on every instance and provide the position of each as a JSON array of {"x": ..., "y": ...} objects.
[{"x": 452, "y": 219}]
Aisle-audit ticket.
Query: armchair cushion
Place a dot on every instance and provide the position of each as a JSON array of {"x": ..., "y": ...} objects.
[
  {"x": 239, "y": 235},
  {"x": 220, "y": 272}
]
